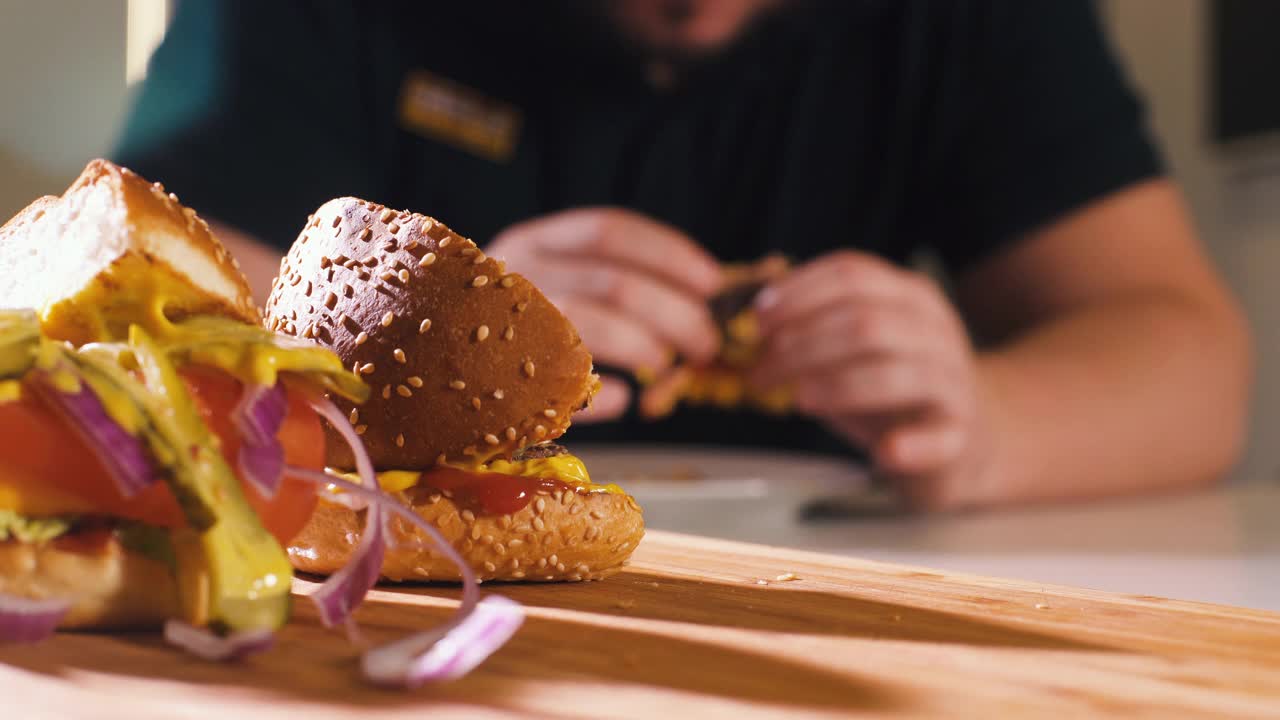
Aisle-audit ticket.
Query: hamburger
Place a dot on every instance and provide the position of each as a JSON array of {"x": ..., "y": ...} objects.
[
  {"x": 131, "y": 357},
  {"x": 723, "y": 382},
  {"x": 474, "y": 376}
]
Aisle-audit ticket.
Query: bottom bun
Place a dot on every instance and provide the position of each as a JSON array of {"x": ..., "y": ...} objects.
[
  {"x": 113, "y": 588},
  {"x": 561, "y": 536}
]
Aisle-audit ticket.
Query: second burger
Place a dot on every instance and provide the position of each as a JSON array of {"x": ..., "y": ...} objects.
[{"x": 475, "y": 374}]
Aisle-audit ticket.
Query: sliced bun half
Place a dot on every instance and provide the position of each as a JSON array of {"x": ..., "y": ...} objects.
[{"x": 467, "y": 361}]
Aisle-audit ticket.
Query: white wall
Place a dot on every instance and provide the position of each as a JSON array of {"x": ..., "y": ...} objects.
[
  {"x": 62, "y": 80},
  {"x": 1234, "y": 192}
]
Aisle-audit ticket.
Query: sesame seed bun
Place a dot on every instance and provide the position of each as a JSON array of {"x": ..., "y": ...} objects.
[
  {"x": 112, "y": 587},
  {"x": 110, "y": 227},
  {"x": 467, "y": 362},
  {"x": 561, "y": 536}
]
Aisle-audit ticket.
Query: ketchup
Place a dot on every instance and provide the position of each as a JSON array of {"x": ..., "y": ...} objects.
[{"x": 489, "y": 493}]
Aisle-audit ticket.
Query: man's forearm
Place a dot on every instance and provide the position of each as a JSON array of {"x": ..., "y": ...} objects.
[
  {"x": 1144, "y": 392},
  {"x": 259, "y": 262}
]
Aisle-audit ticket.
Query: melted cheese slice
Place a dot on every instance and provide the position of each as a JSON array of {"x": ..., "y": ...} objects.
[{"x": 568, "y": 469}]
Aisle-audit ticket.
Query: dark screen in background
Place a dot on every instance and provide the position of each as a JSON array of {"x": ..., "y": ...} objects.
[{"x": 1245, "y": 68}]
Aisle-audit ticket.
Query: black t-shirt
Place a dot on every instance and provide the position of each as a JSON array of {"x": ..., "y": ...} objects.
[{"x": 889, "y": 126}]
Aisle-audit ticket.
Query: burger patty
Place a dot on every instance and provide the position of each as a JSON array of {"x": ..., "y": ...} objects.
[{"x": 539, "y": 452}]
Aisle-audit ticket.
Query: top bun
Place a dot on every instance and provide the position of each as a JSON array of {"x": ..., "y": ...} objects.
[
  {"x": 108, "y": 227},
  {"x": 467, "y": 362}
]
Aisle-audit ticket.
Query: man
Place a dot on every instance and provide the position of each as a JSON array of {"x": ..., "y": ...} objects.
[{"x": 618, "y": 152}]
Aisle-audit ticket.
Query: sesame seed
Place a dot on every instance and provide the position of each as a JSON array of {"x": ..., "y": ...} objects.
[
  {"x": 509, "y": 333},
  {"x": 521, "y": 306},
  {"x": 539, "y": 430},
  {"x": 354, "y": 417},
  {"x": 362, "y": 338},
  {"x": 508, "y": 281},
  {"x": 389, "y": 245},
  {"x": 475, "y": 403},
  {"x": 386, "y": 215},
  {"x": 414, "y": 380},
  {"x": 540, "y": 505},
  {"x": 468, "y": 251},
  {"x": 480, "y": 281},
  {"x": 295, "y": 280},
  {"x": 491, "y": 439},
  {"x": 403, "y": 275},
  {"x": 468, "y": 516},
  {"x": 424, "y": 326},
  {"x": 553, "y": 559},
  {"x": 539, "y": 525},
  {"x": 388, "y": 318},
  {"x": 386, "y": 392},
  {"x": 393, "y": 228},
  {"x": 365, "y": 234},
  {"x": 386, "y": 276},
  {"x": 549, "y": 413},
  {"x": 560, "y": 567},
  {"x": 348, "y": 290},
  {"x": 444, "y": 242},
  {"x": 479, "y": 258},
  {"x": 400, "y": 440},
  {"x": 489, "y": 567},
  {"x": 370, "y": 261},
  {"x": 399, "y": 356},
  {"x": 426, "y": 225},
  {"x": 498, "y": 394},
  {"x": 457, "y": 385},
  {"x": 583, "y": 569},
  {"x": 511, "y": 434},
  {"x": 411, "y": 245},
  {"x": 330, "y": 300},
  {"x": 337, "y": 220},
  {"x": 427, "y": 259},
  {"x": 366, "y": 369},
  {"x": 528, "y": 368},
  {"x": 482, "y": 333},
  {"x": 404, "y": 391},
  {"x": 360, "y": 429}
]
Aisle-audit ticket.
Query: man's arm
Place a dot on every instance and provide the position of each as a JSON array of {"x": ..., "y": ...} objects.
[
  {"x": 1117, "y": 361},
  {"x": 259, "y": 262}
]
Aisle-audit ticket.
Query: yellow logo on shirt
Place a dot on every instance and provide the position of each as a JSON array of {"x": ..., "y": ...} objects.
[{"x": 443, "y": 110}]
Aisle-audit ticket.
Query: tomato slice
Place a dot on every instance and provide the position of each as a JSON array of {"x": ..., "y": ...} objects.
[{"x": 45, "y": 468}]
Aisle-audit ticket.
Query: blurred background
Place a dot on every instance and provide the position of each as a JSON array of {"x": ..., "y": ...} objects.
[{"x": 67, "y": 69}]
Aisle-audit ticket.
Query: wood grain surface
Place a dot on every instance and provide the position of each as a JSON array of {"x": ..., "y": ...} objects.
[{"x": 689, "y": 630}]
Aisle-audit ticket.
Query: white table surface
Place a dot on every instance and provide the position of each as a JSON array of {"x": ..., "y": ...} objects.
[{"x": 1220, "y": 545}]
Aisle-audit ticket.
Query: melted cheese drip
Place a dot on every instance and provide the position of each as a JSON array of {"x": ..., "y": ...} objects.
[{"x": 568, "y": 469}]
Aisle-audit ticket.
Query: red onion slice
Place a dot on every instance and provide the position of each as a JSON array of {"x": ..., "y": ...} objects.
[
  {"x": 23, "y": 620},
  {"x": 258, "y": 417},
  {"x": 343, "y": 592},
  {"x": 209, "y": 646},
  {"x": 452, "y": 649},
  {"x": 435, "y": 656},
  {"x": 260, "y": 412},
  {"x": 122, "y": 454}
]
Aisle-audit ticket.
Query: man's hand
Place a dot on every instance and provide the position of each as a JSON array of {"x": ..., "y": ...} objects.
[
  {"x": 636, "y": 289},
  {"x": 880, "y": 355}
]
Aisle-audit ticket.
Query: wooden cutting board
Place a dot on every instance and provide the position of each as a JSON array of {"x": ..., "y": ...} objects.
[{"x": 704, "y": 628}]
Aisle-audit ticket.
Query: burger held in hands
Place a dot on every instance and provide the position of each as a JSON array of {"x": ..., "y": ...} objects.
[{"x": 168, "y": 460}]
